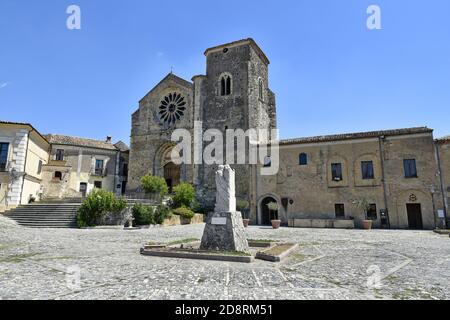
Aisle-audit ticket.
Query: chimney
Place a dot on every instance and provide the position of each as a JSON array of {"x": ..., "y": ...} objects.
[{"x": 108, "y": 139}]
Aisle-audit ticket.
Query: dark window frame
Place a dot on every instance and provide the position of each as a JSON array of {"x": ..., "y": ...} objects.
[
  {"x": 303, "y": 159},
  {"x": 99, "y": 169},
  {"x": 225, "y": 85},
  {"x": 58, "y": 175},
  {"x": 336, "y": 172},
  {"x": 410, "y": 168},
  {"x": 40, "y": 164},
  {"x": 98, "y": 184},
  {"x": 261, "y": 89},
  {"x": 4, "y": 150},
  {"x": 367, "y": 170},
  {"x": 59, "y": 156}
]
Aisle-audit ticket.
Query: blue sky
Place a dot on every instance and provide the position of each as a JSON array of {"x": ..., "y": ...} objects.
[{"x": 329, "y": 72}]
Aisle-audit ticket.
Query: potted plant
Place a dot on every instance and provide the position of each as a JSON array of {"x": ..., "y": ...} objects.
[
  {"x": 364, "y": 205},
  {"x": 242, "y": 206},
  {"x": 273, "y": 208}
]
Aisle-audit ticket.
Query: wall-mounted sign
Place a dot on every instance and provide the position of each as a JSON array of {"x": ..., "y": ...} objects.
[{"x": 441, "y": 214}]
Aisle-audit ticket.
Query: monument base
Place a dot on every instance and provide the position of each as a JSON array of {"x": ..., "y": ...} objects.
[{"x": 225, "y": 232}]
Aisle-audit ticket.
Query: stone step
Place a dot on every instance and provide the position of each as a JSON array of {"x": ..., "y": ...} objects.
[{"x": 42, "y": 215}]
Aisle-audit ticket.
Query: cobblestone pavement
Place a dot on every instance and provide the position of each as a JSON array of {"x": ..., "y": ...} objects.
[{"x": 329, "y": 264}]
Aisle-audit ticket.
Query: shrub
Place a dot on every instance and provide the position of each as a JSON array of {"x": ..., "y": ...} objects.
[
  {"x": 155, "y": 185},
  {"x": 143, "y": 215},
  {"x": 242, "y": 205},
  {"x": 184, "y": 212},
  {"x": 162, "y": 212},
  {"x": 184, "y": 195},
  {"x": 96, "y": 206}
]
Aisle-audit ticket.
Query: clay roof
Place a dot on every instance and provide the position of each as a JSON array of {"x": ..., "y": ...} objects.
[
  {"x": 445, "y": 139},
  {"x": 241, "y": 42},
  {"x": 122, "y": 146},
  {"x": 81, "y": 142},
  {"x": 357, "y": 135}
]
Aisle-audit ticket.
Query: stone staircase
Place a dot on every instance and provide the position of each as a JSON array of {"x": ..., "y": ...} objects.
[{"x": 47, "y": 215}]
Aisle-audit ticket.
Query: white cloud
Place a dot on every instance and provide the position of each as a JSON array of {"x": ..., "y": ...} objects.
[{"x": 4, "y": 84}]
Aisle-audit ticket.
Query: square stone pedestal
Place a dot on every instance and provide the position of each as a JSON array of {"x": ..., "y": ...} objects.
[{"x": 225, "y": 232}]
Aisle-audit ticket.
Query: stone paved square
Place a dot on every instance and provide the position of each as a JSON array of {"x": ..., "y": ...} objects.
[{"x": 329, "y": 264}]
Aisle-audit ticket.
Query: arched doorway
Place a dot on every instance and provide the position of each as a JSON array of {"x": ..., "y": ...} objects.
[
  {"x": 172, "y": 175},
  {"x": 266, "y": 215}
]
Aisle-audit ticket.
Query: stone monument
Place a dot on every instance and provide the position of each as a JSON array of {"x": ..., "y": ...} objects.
[{"x": 224, "y": 230}]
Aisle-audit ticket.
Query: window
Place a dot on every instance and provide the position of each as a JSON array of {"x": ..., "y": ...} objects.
[
  {"x": 336, "y": 171},
  {"x": 372, "y": 212},
  {"x": 3, "y": 155},
  {"x": 39, "y": 170},
  {"x": 261, "y": 89},
  {"x": 339, "y": 209},
  {"x": 303, "y": 159},
  {"x": 58, "y": 175},
  {"x": 267, "y": 162},
  {"x": 367, "y": 170},
  {"x": 59, "y": 155},
  {"x": 225, "y": 85},
  {"x": 99, "y": 167},
  {"x": 410, "y": 168},
  {"x": 97, "y": 184}
]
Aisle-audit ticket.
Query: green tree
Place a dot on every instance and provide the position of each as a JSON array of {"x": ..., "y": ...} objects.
[
  {"x": 184, "y": 195},
  {"x": 154, "y": 185},
  {"x": 96, "y": 206},
  {"x": 162, "y": 212},
  {"x": 143, "y": 215}
]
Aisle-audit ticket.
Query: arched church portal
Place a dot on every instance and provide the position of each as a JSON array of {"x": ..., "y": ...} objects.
[
  {"x": 172, "y": 175},
  {"x": 266, "y": 215}
]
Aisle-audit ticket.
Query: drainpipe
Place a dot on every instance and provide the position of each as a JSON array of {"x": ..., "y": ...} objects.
[
  {"x": 383, "y": 177},
  {"x": 25, "y": 166},
  {"x": 441, "y": 180}
]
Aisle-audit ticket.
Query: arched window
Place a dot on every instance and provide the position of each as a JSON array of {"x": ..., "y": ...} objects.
[
  {"x": 261, "y": 89},
  {"x": 58, "y": 175},
  {"x": 225, "y": 85},
  {"x": 303, "y": 159}
]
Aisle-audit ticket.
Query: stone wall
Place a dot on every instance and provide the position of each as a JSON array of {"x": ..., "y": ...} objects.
[
  {"x": 78, "y": 167},
  {"x": 314, "y": 193},
  {"x": 443, "y": 149}
]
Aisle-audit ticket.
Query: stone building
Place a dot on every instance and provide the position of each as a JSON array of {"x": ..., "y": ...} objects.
[
  {"x": 443, "y": 160},
  {"x": 320, "y": 178},
  {"x": 234, "y": 94},
  {"x": 323, "y": 178},
  {"x": 34, "y": 167},
  {"x": 78, "y": 165},
  {"x": 23, "y": 153}
]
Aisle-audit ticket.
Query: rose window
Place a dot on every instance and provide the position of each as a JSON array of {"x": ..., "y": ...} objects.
[{"x": 172, "y": 108}]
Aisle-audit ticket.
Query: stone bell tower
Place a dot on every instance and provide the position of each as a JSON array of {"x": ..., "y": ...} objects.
[{"x": 234, "y": 94}]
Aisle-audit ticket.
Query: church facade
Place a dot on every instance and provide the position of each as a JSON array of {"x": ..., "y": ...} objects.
[{"x": 320, "y": 179}]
